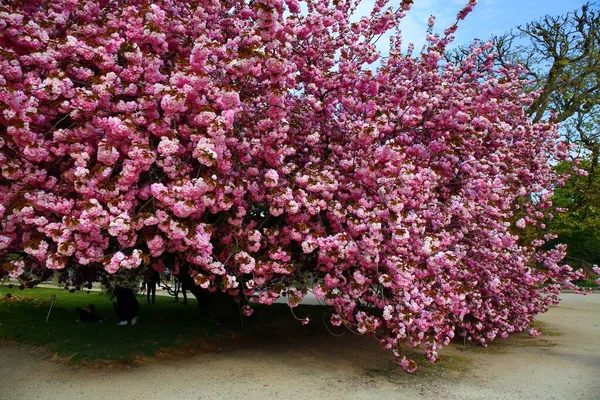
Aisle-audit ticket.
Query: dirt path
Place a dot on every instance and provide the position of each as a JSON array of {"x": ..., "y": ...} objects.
[{"x": 565, "y": 364}]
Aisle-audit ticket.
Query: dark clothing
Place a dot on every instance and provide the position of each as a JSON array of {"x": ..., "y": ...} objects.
[
  {"x": 179, "y": 285},
  {"x": 126, "y": 306},
  {"x": 150, "y": 288},
  {"x": 85, "y": 316},
  {"x": 151, "y": 280}
]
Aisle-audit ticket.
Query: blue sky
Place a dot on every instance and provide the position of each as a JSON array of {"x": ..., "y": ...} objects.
[
  {"x": 489, "y": 17},
  {"x": 497, "y": 16}
]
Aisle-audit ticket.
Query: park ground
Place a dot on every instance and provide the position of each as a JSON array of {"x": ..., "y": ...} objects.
[{"x": 275, "y": 360}]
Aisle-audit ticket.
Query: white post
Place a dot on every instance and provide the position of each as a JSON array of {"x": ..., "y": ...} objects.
[{"x": 51, "y": 304}]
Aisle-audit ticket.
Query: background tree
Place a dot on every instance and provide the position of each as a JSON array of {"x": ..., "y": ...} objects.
[
  {"x": 578, "y": 222},
  {"x": 248, "y": 147}
]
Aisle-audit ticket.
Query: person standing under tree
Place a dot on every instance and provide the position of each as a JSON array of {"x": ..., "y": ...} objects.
[
  {"x": 126, "y": 307},
  {"x": 151, "y": 280}
]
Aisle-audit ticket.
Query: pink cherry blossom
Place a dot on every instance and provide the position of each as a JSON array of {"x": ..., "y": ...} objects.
[{"x": 272, "y": 151}]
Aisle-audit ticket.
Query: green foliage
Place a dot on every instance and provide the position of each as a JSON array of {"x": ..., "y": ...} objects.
[
  {"x": 125, "y": 278},
  {"x": 579, "y": 227}
]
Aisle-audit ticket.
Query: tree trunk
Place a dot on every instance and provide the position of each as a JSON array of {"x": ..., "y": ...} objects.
[{"x": 222, "y": 305}]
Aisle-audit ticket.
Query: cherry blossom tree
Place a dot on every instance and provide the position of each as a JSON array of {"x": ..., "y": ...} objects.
[{"x": 262, "y": 148}]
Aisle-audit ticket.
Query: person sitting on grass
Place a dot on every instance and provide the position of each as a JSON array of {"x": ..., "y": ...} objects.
[
  {"x": 88, "y": 314},
  {"x": 126, "y": 306}
]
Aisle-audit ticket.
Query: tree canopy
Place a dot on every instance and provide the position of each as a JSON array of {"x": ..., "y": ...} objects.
[
  {"x": 250, "y": 146},
  {"x": 561, "y": 55}
]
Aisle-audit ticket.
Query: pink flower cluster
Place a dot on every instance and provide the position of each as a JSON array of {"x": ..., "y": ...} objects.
[
  {"x": 261, "y": 147},
  {"x": 120, "y": 260}
]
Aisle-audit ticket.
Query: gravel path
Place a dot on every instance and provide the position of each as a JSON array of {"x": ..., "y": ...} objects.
[{"x": 563, "y": 364}]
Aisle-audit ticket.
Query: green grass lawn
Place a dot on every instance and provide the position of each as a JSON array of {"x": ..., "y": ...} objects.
[
  {"x": 590, "y": 283},
  {"x": 162, "y": 326}
]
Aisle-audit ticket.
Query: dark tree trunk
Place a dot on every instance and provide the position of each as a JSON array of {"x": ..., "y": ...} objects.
[{"x": 222, "y": 305}]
